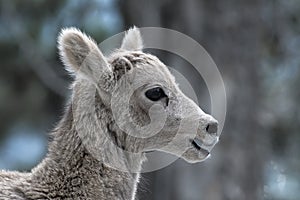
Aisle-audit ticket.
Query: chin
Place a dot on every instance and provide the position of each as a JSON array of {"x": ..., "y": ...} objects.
[{"x": 195, "y": 155}]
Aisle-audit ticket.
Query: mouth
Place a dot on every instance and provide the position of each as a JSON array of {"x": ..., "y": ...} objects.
[{"x": 196, "y": 143}]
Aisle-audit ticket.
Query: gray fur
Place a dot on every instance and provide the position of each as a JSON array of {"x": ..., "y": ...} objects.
[{"x": 96, "y": 154}]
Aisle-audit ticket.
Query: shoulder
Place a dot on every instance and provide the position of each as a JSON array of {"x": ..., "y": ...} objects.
[{"x": 11, "y": 185}]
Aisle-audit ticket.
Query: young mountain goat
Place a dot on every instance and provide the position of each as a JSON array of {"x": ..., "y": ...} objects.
[{"x": 117, "y": 103}]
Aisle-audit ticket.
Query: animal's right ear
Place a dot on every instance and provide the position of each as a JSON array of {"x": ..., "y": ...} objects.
[
  {"x": 132, "y": 40},
  {"x": 82, "y": 57}
]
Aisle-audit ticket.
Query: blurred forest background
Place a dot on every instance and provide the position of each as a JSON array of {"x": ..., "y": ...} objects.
[{"x": 255, "y": 45}]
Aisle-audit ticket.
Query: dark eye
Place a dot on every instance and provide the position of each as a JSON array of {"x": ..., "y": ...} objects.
[{"x": 155, "y": 94}]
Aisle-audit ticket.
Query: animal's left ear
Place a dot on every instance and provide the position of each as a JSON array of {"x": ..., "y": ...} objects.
[{"x": 133, "y": 40}]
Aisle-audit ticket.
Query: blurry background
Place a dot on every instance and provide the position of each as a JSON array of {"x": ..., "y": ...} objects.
[{"x": 254, "y": 43}]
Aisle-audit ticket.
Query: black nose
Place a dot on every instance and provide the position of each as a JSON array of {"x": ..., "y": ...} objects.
[{"x": 212, "y": 127}]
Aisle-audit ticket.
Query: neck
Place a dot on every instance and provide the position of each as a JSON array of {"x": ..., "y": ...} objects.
[{"x": 84, "y": 161}]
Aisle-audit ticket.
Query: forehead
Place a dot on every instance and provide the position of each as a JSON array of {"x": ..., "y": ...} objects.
[{"x": 142, "y": 66}]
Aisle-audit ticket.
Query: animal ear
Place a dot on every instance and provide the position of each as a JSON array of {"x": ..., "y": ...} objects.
[
  {"x": 132, "y": 40},
  {"x": 82, "y": 57}
]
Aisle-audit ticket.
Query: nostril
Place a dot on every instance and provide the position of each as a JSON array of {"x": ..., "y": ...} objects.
[{"x": 212, "y": 127}]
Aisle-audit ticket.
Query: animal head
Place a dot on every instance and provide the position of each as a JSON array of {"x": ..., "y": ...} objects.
[{"x": 146, "y": 108}]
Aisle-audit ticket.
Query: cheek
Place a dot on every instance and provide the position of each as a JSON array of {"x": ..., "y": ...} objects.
[
  {"x": 159, "y": 140},
  {"x": 174, "y": 115},
  {"x": 138, "y": 114}
]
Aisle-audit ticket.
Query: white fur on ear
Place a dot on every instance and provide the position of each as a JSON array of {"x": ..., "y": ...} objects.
[
  {"x": 82, "y": 57},
  {"x": 132, "y": 41}
]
